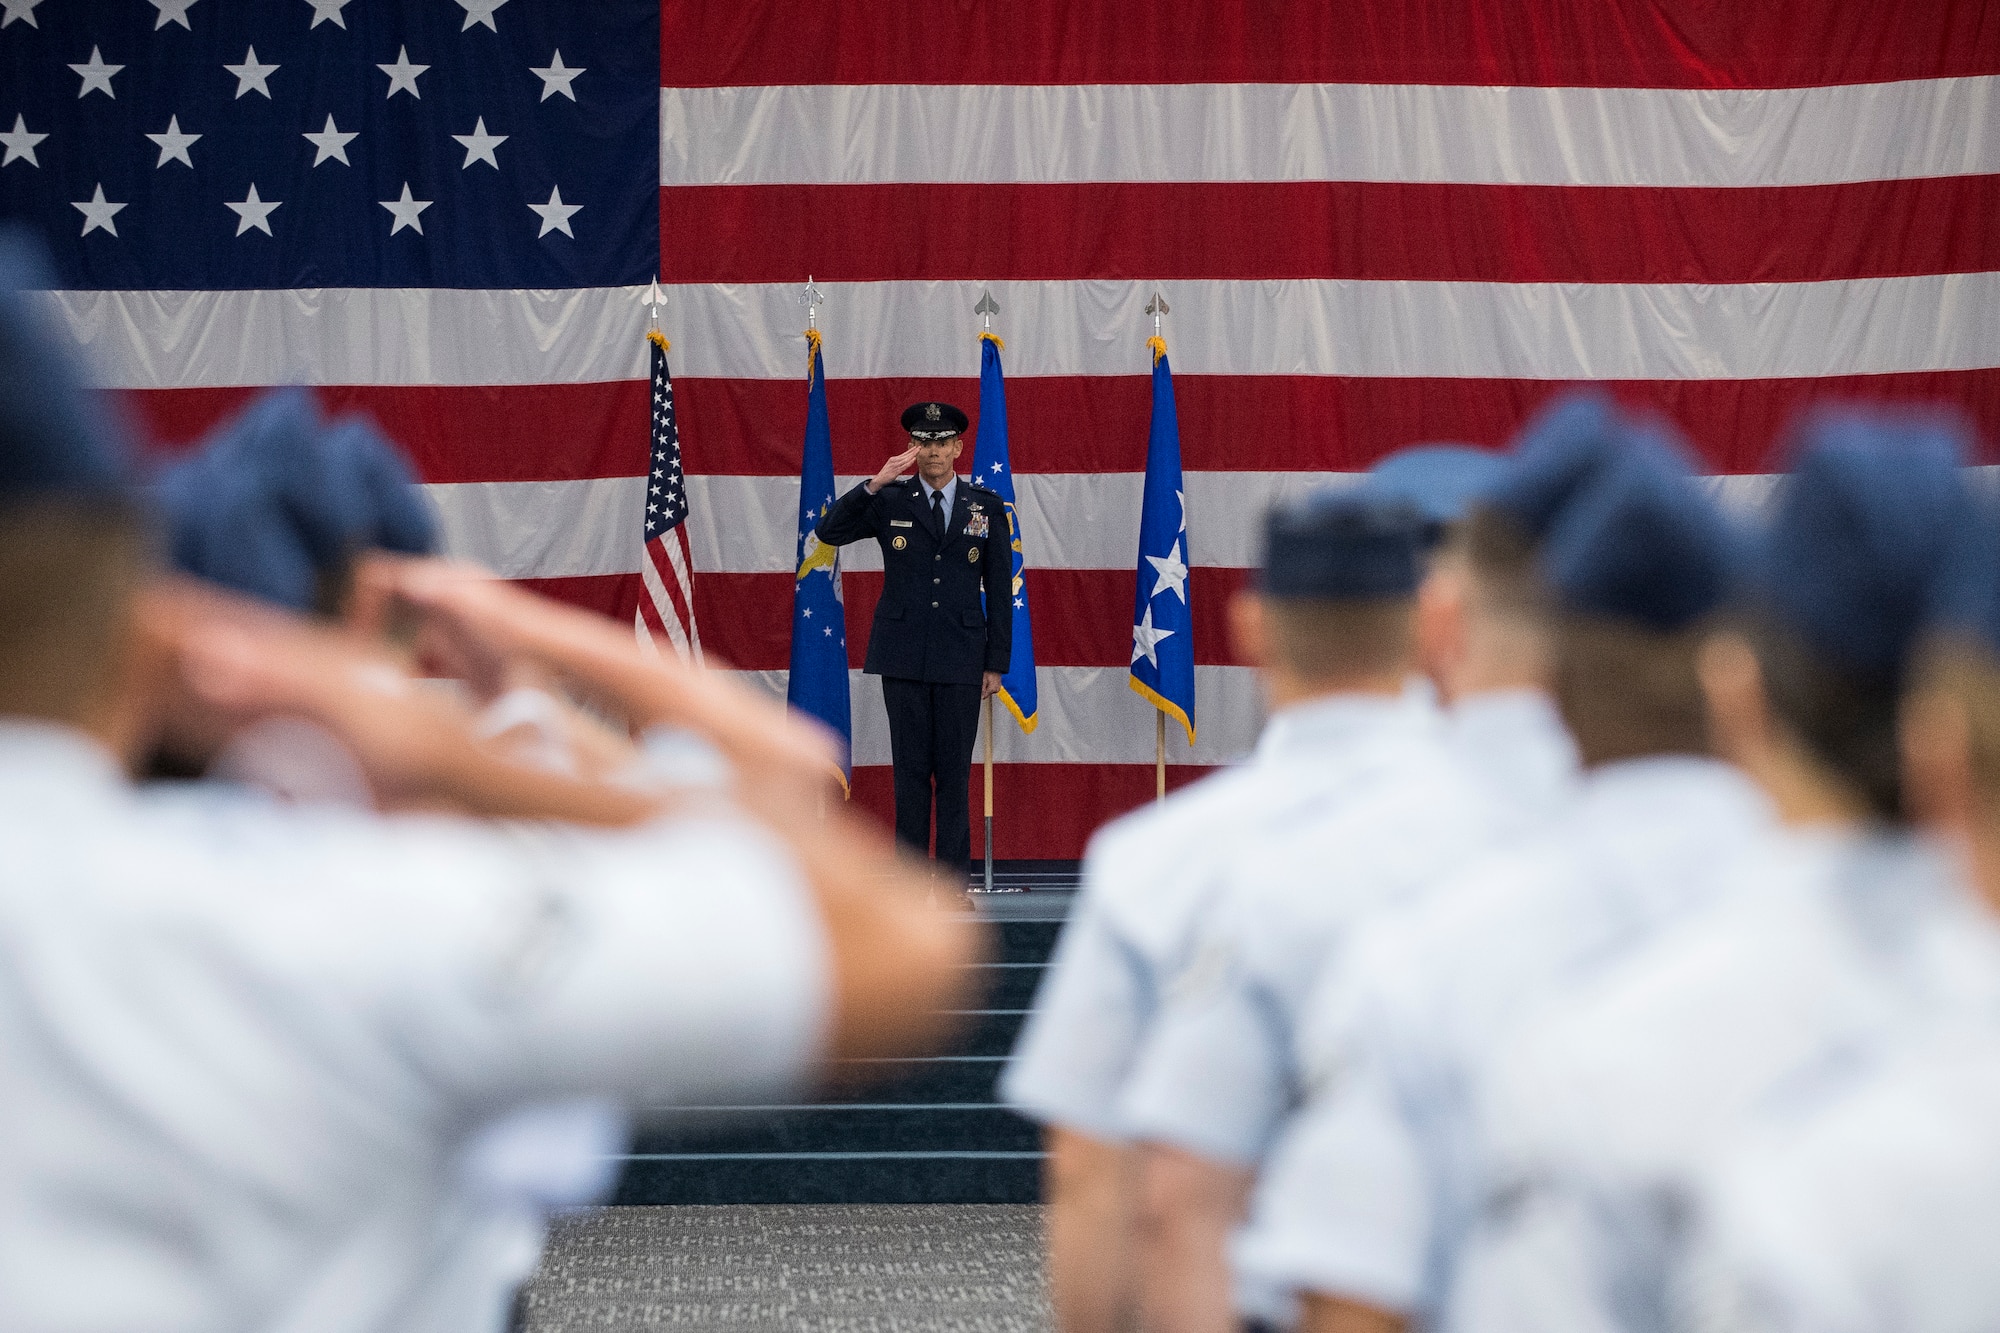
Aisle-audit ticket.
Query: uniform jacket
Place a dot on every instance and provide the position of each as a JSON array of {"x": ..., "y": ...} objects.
[{"x": 929, "y": 624}]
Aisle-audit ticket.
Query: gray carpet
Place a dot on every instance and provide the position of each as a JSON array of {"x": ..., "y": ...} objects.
[{"x": 836, "y": 1268}]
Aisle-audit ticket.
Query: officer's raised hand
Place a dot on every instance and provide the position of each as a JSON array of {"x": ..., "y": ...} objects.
[{"x": 894, "y": 468}]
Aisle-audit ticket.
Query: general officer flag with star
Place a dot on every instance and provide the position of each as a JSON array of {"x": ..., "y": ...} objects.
[
  {"x": 991, "y": 469},
  {"x": 1162, "y": 624},
  {"x": 818, "y": 683}
]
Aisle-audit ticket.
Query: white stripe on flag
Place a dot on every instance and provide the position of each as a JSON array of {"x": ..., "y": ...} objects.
[
  {"x": 1071, "y": 520},
  {"x": 1089, "y": 715},
  {"x": 922, "y": 134},
  {"x": 1513, "y": 330},
  {"x": 1550, "y": 331}
]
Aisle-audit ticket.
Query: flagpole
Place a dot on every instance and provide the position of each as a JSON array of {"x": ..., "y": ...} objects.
[
  {"x": 1157, "y": 307},
  {"x": 986, "y": 309}
]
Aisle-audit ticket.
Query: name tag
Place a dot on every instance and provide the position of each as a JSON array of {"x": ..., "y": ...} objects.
[{"x": 901, "y": 523}]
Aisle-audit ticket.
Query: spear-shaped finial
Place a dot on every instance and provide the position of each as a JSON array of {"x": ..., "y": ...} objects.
[
  {"x": 987, "y": 309},
  {"x": 809, "y": 298},
  {"x": 1157, "y": 307}
]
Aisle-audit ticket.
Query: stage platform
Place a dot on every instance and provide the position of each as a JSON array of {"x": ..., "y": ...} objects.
[
  {"x": 921, "y": 1131},
  {"x": 827, "y": 1269}
]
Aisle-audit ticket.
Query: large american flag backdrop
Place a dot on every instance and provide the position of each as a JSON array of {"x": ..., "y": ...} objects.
[{"x": 1375, "y": 223}]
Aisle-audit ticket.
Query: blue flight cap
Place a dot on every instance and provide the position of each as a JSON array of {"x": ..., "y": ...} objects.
[
  {"x": 57, "y": 436},
  {"x": 1440, "y": 481},
  {"x": 1342, "y": 545},
  {"x": 1861, "y": 533},
  {"x": 277, "y": 502},
  {"x": 227, "y": 506},
  {"x": 1642, "y": 544},
  {"x": 1558, "y": 454},
  {"x": 373, "y": 500}
]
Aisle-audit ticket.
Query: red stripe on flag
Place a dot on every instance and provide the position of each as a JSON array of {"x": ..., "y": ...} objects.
[
  {"x": 1097, "y": 423},
  {"x": 1330, "y": 229},
  {"x": 508, "y": 432},
  {"x": 1041, "y": 811},
  {"x": 1077, "y": 423},
  {"x": 1082, "y": 617},
  {"x": 1632, "y": 43}
]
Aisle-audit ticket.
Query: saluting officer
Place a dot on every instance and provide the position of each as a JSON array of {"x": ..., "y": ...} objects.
[{"x": 938, "y": 646}]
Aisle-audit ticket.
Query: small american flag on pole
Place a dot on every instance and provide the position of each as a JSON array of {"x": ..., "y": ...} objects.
[{"x": 667, "y": 569}]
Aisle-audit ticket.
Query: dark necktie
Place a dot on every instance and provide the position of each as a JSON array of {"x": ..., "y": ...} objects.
[{"x": 937, "y": 514}]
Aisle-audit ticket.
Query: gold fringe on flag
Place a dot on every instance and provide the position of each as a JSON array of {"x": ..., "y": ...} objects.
[
  {"x": 1159, "y": 346},
  {"x": 659, "y": 340},
  {"x": 994, "y": 338}
]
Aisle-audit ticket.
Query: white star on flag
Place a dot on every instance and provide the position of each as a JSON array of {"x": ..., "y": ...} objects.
[
  {"x": 556, "y": 78},
  {"x": 97, "y": 214},
  {"x": 328, "y": 11},
  {"x": 19, "y": 143},
  {"x": 480, "y": 11},
  {"x": 96, "y": 74},
  {"x": 172, "y": 11},
  {"x": 252, "y": 76},
  {"x": 1145, "y": 639},
  {"x": 406, "y": 211},
  {"x": 253, "y": 212},
  {"x": 402, "y": 74},
  {"x": 20, "y": 9},
  {"x": 332, "y": 142},
  {"x": 173, "y": 144},
  {"x": 479, "y": 145},
  {"x": 1172, "y": 571},
  {"x": 555, "y": 214}
]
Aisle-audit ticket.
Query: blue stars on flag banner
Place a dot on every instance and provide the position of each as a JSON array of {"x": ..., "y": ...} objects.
[{"x": 192, "y": 144}]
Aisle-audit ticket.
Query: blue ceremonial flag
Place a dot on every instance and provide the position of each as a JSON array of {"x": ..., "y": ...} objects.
[
  {"x": 991, "y": 469},
  {"x": 1162, "y": 624},
  {"x": 818, "y": 682}
]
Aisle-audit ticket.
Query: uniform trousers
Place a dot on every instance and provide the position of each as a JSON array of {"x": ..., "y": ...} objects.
[{"x": 931, "y": 730}]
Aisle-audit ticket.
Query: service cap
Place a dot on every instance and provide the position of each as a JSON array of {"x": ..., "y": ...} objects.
[
  {"x": 1861, "y": 533},
  {"x": 1440, "y": 481},
  {"x": 934, "y": 421},
  {"x": 1642, "y": 543},
  {"x": 1342, "y": 545},
  {"x": 1558, "y": 455},
  {"x": 57, "y": 436}
]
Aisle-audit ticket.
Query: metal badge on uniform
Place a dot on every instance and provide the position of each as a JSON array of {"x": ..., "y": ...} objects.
[
  {"x": 902, "y": 523},
  {"x": 900, "y": 542},
  {"x": 977, "y": 524},
  {"x": 972, "y": 554}
]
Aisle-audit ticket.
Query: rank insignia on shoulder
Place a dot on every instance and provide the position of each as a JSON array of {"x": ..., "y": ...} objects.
[
  {"x": 972, "y": 554},
  {"x": 900, "y": 542}
]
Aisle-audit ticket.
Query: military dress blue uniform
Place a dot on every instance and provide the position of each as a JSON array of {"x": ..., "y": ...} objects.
[{"x": 933, "y": 638}]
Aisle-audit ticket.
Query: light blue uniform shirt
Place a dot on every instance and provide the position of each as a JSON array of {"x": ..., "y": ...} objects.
[
  {"x": 1147, "y": 878},
  {"x": 242, "y": 1048},
  {"x": 1220, "y": 1071},
  {"x": 1832, "y": 945},
  {"x": 1368, "y": 1192},
  {"x": 1873, "y": 1211}
]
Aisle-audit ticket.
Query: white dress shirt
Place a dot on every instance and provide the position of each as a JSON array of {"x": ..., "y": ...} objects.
[{"x": 242, "y": 1048}]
